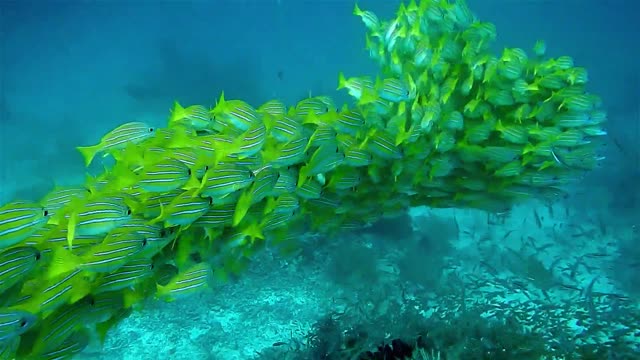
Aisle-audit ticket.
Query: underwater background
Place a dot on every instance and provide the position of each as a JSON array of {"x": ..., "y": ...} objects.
[{"x": 72, "y": 70}]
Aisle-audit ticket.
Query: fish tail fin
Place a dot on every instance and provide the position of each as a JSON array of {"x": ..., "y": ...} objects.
[
  {"x": 528, "y": 148},
  {"x": 193, "y": 183},
  {"x": 253, "y": 231},
  {"x": 160, "y": 217},
  {"x": 368, "y": 96},
  {"x": 356, "y": 10},
  {"x": 177, "y": 113},
  {"x": 342, "y": 81},
  {"x": 302, "y": 176},
  {"x": 63, "y": 261},
  {"x": 88, "y": 153},
  {"x": 71, "y": 230},
  {"x": 132, "y": 297},
  {"x": 242, "y": 207},
  {"x": 162, "y": 293},
  {"x": 270, "y": 205}
]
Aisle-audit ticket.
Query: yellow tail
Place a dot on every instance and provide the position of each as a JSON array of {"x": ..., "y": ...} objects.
[{"x": 88, "y": 153}]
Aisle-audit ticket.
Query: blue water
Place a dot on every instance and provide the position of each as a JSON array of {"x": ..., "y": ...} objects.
[{"x": 72, "y": 70}]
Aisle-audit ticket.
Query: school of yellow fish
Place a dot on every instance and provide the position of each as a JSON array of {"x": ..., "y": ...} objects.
[{"x": 446, "y": 124}]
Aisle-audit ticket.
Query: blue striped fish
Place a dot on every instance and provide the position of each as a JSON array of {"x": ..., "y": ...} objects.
[
  {"x": 57, "y": 237},
  {"x": 349, "y": 122},
  {"x": 286, "y": 128},
  {"x": 286, "y": 182},
  {"x": 154, "y": 203},
  {"x": 19, "y": 220},
  {"x": 286, "y": 154},
  {"x": 156, "y": 242},
  {"x": 344, "y": 178},
  {"x": 191, "y": 158},
  {"x": 311, "y": 189},
  {"x": 9, "y": 348},
  {"x": 56, "y": 292},
  {"x": 195, "y": 117},
  {"x": 266, "y": 179},
  {"x": 217, "y": 216},
  {"x": 356, "y": 157},
  {"x": 273, "y": 107},
  {"x": 14, "y": 323},
  {"x": 361, "y": 88},
  {"x": 16, "y": 264},
  {"x": 251, "y": 141},
  {"x": 138, "y": 225},
  {"x": 108, "y": 256},
  {"x": 98, "y": 216},
  {"x": 328, "y": 202},
  {"x": 61, "y": 324},
  {"x": 326, "y": 158},
  {"x": 235, "y": 113},
  {"x": 103, "y": 306},
  {"x": 41, "y": 236},
  {"x": 164, "y": 176},
  {"x": 313, "y": 106},
  {"x": 322, "y": 135},
  {"x": 369, "y": 19},
  {"x": 396, "y": 90},
  {"x": 117, "y": 139},
  {"x": 252, "y": 162},
  {"x": 186, "y": 283},
  {"x": 73, "y": 345},
  {"x": 60, "y": 197},
  {"x": 383, "y": 144},
  {"x": 134, "y": 272},
  {"x": 153, "y": 233},
  {"x": 222, "y": 180},
  {"x": 183, "y": 210},
  {"x": 275, "y": 220},
  {"x": 285, "y": 203}
]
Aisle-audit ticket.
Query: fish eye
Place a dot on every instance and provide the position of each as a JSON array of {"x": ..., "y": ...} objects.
[
  {"x": 210, "y": 201},
  {"x": 45, "y": 213},
  {"x": 152, "y": 266},
  {"x": 144, "y": 242},
  {"x": 150, "y": 129},
  {"x": 163, "y": 233},
  {"x": 206, "y": 167},
  {"x": 23, "y": 322},
  {"x": 337, "y": 149},
  {"x": 38, "y": 256},
  {"x": 128, "y": 211},
  {"x": 188, "y": 171}
]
